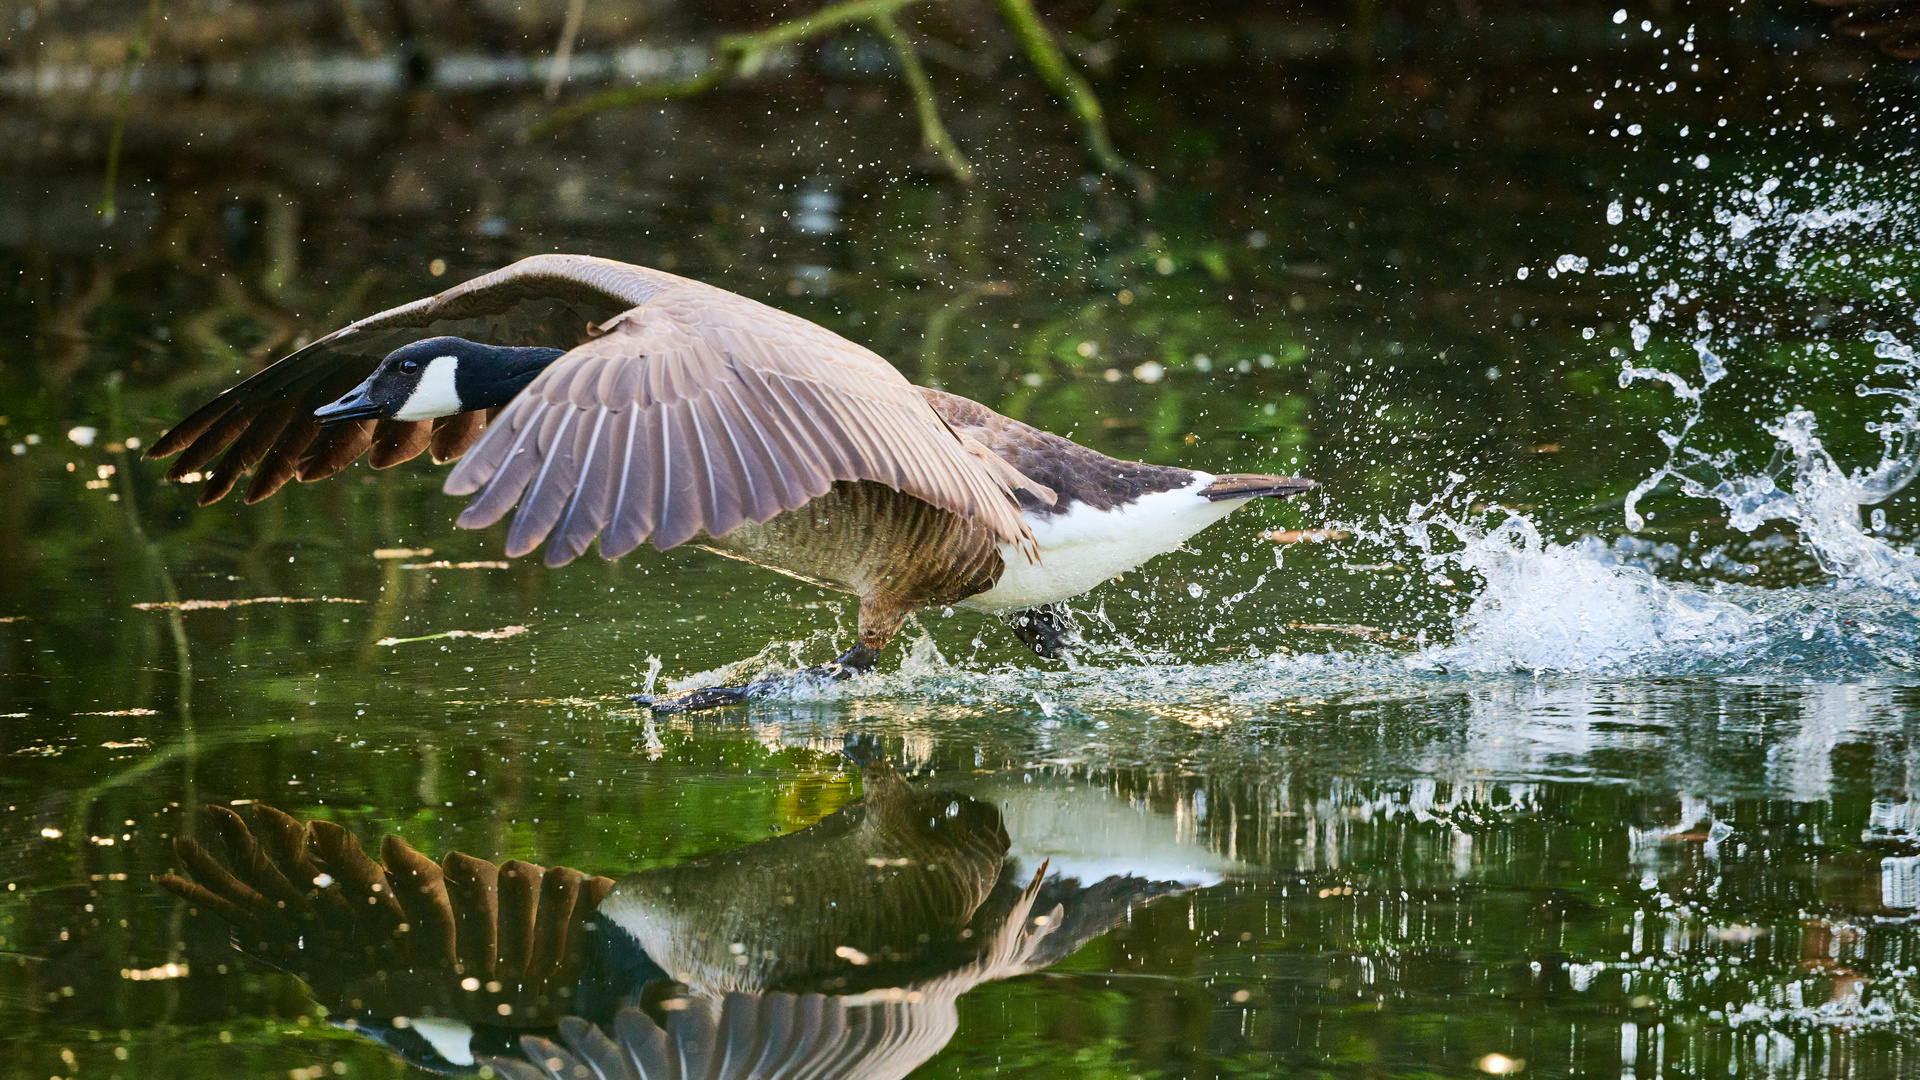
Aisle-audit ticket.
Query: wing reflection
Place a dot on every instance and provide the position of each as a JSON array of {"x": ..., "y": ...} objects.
[{"x": 836, "y": 950}]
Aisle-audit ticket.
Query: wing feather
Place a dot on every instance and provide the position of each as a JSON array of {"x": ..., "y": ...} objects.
[
  {"x": 454, "y": 435},
  {"x": 733, "y": 441},
  {"x": 508, "y": 479},
  {"x": 799, "y": 409},
  {"x": 897, "y": 443},
  {"x": 553, "y": 481},
  {"x": 757, "y": 499},
  {"x": 631, "y": 520},
  {"x": 335, "y": 449},
  {"x": 208, "y": 440},
  {"x": 781, "y": 483},
  {"x": 473, "y": 885},
  {"x": 246, "y": 452},
  {"x": 681, "y": 508},
  {"x": 590, "y": 508},
  {"x": 395, "y": 441},
  {"x": 283, "y": 460},
  {"x": 787, "y": 419},
  {"x": 729, "y": 484},
  {"x": 643, "y": 1041},
  {"x": 518, "y": 896},
  {"x": 484, "y": 459},
  {"x": 826, "y": 410}
]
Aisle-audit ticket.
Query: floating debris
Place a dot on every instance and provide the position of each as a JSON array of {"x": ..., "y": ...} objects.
[
  {"x": 132, "y": 744},
  {"x": 121, "y": 712},
  {"x": 484, "y": 635},
  {"x": 209, "y": 605},
  {"x": 480, "y": 564},
  {"x": 402, "y": 553},
  {"x": 1306, "y": 536},
  {"x": 12, "y": 618},
  {"x": 1354, "y": 629},
  {"x": 164, "y": 971}
]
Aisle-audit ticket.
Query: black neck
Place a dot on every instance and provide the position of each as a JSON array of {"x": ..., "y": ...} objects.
[{"x": 489, "y": 376}]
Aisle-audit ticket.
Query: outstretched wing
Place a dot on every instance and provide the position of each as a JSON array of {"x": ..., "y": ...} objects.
[
  {"x": 267, "y": 421},
  {"x": 699, "y": 410}
]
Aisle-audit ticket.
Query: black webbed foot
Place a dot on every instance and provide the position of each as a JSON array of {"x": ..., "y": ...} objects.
[
  {"x": 854, "y": 661},
  {"x": 1046, "y": 629}
]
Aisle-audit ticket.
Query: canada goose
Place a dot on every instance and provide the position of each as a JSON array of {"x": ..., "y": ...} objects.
[
  {"x": 683, "y": 412},
  {"x": 838, "y": 950}
]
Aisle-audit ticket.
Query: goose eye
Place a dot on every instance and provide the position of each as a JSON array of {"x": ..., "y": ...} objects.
[{"x": 409, "y": 366}]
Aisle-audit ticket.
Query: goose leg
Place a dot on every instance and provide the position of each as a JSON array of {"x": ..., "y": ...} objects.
[
  {"x": 1045, "y": 629},
  {"x": 879, "y": 621}
]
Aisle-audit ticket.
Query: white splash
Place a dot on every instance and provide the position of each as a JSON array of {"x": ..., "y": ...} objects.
[
  {"x": 1591, "y": 607},
  {"x": 1791, "y": 235},
  {"x": 1554, "y": 607}
]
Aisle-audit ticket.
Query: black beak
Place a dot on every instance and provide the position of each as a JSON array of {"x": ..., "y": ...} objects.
[{"x": 355, "y": 406}]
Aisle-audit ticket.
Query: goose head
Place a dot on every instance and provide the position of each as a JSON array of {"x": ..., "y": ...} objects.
[{"x": 439, "y": 377}]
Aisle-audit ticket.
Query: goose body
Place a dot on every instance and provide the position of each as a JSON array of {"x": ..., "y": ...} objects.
[
  {"x": 678, "y": 412},
  {"x": 1083, "y": 545}
]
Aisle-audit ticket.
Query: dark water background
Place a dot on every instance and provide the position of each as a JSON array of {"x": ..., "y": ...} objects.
[{"x": 1651, "y": 861}]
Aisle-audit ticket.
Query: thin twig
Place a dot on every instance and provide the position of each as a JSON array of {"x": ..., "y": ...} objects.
[
  {"x": 483, "y": 635},
  {"x": 933, "y": 133},
  {"x": 137, "y": 49},
  {"x": 800, "y": 29},
  {"x": 563, "y": 56},
  {"x": 740, "y": 54},
  {"x": 629, "y": 95},
  {"x": 1045, "y": 54}
]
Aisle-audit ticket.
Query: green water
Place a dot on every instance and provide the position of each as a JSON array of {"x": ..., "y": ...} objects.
[{"x": 1509, "y": 811}]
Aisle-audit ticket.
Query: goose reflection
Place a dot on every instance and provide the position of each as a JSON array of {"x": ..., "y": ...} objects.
[{"x": 838, "y": 950}]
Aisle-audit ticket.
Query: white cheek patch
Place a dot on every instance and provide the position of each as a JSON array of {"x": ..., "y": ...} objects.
[
  {"x": 451, "y": 1039},
  {"x": 435, "y": 396}
]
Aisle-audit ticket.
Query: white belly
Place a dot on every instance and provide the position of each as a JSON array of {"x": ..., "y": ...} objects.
[{"x": 1084, "y": 547}]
